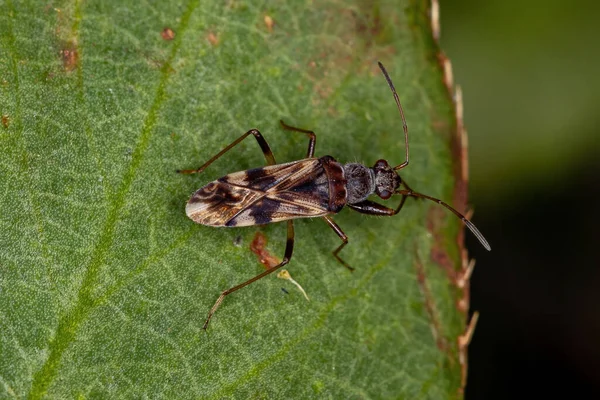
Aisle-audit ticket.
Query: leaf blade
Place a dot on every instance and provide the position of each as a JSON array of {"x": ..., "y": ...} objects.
[{"x": 122, "y": 269}]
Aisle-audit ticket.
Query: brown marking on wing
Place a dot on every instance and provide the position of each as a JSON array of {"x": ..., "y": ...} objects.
[
  {"x": 259, "y": 196},
  {"x": 257, "y": 178},
  {"x": 270, "y": 177},
  {"x": 303, "y": 193},
  {"x": 218, "y": 202},
  {"x": 267, "y": 210}
]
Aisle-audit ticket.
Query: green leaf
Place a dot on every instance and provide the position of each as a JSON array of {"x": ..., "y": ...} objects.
[{"x": 104, "y": 281}]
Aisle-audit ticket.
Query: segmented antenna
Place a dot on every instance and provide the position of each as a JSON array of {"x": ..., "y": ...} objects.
[
  {"x": 468, "y": 223},
  {"x": 389, "y": 81}
]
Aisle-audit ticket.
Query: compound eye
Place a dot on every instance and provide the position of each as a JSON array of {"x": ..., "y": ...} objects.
[
  {"x": 381, "y": 165},
  {"x": 384, "y": 194}
]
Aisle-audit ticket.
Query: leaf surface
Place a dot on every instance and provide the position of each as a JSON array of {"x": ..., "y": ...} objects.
[{"x": 104, "y": 281}]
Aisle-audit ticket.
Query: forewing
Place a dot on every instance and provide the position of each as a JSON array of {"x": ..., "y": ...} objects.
[
  {"x": 218, "y": 202},
  {"x": 262, "y": 195},
  {"x": 303, "y": 193},
  {"x": 271, "y": 177}
]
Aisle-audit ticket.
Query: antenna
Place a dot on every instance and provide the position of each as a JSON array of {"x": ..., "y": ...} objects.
[
  {"x": 389, "y": 81},
  {"x": 468, "y": 223}
]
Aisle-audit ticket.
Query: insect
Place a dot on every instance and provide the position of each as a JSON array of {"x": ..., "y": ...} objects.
[{"x": 307, "y": 188}]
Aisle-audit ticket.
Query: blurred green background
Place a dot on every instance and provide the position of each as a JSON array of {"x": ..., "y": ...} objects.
[{"x": 531, "y": 88}]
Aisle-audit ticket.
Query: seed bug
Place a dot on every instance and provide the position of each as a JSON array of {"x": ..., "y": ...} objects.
[{"x": 307, "y": 188}]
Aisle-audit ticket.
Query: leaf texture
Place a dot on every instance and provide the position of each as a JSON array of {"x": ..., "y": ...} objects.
[{"x": 104, "y": 281}]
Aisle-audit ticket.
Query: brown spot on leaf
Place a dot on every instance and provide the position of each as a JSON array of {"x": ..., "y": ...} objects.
[
  {"x": 167, "y": 34},
  {"x": 213, "y": 38},
  {"x": 439, "y": 255},
  {"x": 67, "y": 33},
  {"x": 258, "y": 247},
  {"x": 70, "y": 57},
  {"x": 436, "y": 330},
  {"x": 368, "y": 25},
  {"x": 323, "y": 90},
  {"x": 269, "y": 23},
  {"x": 349, "y": 31},
  {"x": 439, "y": 124},
  {"x": 5, "y": 121}
]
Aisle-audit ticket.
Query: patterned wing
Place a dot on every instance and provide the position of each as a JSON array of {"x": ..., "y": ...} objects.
[{"x": 259, "y": 196}]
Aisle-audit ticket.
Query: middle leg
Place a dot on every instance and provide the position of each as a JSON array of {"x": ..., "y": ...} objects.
[
  {"x": 344, "y": 238},
  {"x": 312, "y": 138}
]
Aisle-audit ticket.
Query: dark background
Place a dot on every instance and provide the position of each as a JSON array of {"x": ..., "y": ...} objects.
[{"x": 530, "y": 73}]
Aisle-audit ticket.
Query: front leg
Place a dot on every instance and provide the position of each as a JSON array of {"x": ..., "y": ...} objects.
[{"x": 371, "y": 208}]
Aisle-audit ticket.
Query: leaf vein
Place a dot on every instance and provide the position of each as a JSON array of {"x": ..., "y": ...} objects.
[
  {"x": 71, "y": 320},
  {"x": 228, "y": 390}
]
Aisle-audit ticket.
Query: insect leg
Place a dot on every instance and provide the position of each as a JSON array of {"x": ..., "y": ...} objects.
[
  {"x": 289, "y": 248},
  {"x": 312, "y": 138},
  {"x": 372, "y": 208},
  {"x": 261, "y": 142},
  {"x": 342, "y": 236}
]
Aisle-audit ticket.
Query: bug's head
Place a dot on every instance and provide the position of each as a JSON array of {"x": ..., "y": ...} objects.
[{"x": 387, "y": 181}]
